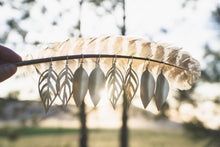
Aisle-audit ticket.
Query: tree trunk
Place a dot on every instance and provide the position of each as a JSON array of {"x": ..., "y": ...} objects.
[
  {"x": 82, "y": 114},
  {"x": 124, "y": 128},
  {"x": 83, "y": 129}
]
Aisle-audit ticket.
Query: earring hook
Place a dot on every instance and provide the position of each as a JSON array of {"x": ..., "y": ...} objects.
[
  {"x": 161, "y": 68},
  {"x": 98, "y": 59},
  {"x": 67, "y": 57},
  {"x": 132, "y": 57},
  {"x": 114, "y": 59},
  {"x": 51, "y": 60},
  {"x": 149, "y": 60}
]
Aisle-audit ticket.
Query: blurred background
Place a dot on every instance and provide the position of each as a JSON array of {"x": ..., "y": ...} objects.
[{"x": 189, "y": 118}]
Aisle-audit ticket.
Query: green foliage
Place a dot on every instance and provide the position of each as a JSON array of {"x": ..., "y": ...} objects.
[
  {"x": 210, "y": 74},
  {"x": 11, "y": 133},
  {"x": 198, "y": 131},
  {"x": 212, "y": 71},
  {"x": 35, "y": 120},
  {"x": 103, "y": 138},
  {"x": 13, "y": 96},
  {"x": 163, "y": 112},
  {"x": 216, "y": 14}
]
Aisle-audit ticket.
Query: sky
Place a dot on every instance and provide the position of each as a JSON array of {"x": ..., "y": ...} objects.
[{"x": 189, "y": 27}]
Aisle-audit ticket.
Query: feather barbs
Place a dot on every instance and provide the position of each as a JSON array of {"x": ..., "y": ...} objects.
[{"x": 121, "y": 45}]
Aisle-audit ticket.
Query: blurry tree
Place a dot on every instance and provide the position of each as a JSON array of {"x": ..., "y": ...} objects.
[
  {"x": 11, "y": 133},
  {"x": 210, "y": 74},
  {"x": 83, "y": 139},
  {"x": 13, "y": 96},
  {"x": 124, "y": 128},
  {"x": 109, "y": 9},
  {"x": 35, "y": 119},
  {"x": 23, "y": 121},
  {"x": 113, "y": 5}
]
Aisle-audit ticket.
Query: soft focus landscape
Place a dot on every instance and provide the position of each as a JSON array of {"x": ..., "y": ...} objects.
[{"x": 188, "y": 118}]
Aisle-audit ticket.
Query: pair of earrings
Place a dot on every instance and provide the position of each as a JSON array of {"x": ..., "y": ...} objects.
[
  {"x": 116, "y": 84},
  {"x": 148, "y": 85},
  {"x": 51, "y": 85}
]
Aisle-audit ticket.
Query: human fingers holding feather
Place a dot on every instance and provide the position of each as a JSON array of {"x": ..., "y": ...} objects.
[{"x": 7, "y": 57}]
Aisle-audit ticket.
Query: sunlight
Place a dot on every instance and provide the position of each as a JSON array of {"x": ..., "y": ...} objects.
[{"x": 104, "y": 98}]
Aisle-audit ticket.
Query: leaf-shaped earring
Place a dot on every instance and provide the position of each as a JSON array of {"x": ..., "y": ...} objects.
[
  {"x": 80, "y": 85},
  {"x": 96, "y": 84},
  {"x": 147, "y": 87},
  {"x": 65, "y": 78},
  {"x": 130, "y": 84},
  {"x": 47, "y": 87},
  {"x": 114, "y": 84},
  {"x": 162, "y": 90}
]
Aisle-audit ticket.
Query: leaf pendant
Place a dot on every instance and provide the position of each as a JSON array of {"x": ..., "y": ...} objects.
[
  {"x": 65, "y": 78},
  {"x": 96, "y": 84},
  {"x": 80, "y": 85},
  {"x": 47, "y": 87},
  {"x": 162, "y": 90},
  {"x": 114, "y": 84},
  {"x": 130, "y": 85},
  {"x": 147, "y": 87}
]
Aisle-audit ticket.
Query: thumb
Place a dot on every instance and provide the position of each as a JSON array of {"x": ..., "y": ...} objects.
[{"x": 7, "y": 71}]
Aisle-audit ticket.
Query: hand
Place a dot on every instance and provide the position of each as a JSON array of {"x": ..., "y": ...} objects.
[{"x": 7, "y": 56}]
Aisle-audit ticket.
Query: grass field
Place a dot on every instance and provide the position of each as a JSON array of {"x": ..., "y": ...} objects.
[{"x": 40, "y": 137}]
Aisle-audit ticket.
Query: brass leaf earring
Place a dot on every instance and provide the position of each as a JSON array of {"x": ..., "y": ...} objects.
[
  {"x": 96, "y": 83},
  {"x": 114, "y": 84},
  {"x": 147, "y": 86},
  {"x": 65, "y": 79},
  {"x": 47, "y": 87},
  {"x": 80, "y": 84},
  {"x": 130, "y": 84},
  {"x": 162, "y": 90}
]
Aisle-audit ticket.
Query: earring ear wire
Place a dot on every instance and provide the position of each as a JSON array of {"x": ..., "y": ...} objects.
[{"x": 114, "y": 59}]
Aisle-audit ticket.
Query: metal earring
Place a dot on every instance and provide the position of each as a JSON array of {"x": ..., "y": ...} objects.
[
  {"x": 65, "y": 89},
  {"x": 80, "y": 84},
  {"x": 147, "y": 86},
  {"x": 131, "y": 83},
  {"x": 114, "y": 83},
  {"x": 162, "y": 89},
  {"x": 96, "y": 83},
  {"x": 47, "y": 87}
]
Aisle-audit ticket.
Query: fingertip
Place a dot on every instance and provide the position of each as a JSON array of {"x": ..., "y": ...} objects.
[
  {"x": 7, "y": 71},
  {"x": 9, "y": 55}
]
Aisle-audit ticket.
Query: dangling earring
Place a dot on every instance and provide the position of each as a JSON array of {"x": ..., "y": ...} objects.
[
  {"x": 162, "y": 89},
  {"x": 65, "y": 78},
  {"x": 47, "y": 87},
  {"x": 131, "y": 83},
  {"x": 147, "y": 86},
  {"x": 80, "y": 84},
  {"x": 114, "y": 83},
  {"x": 96, "y": 83}
]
